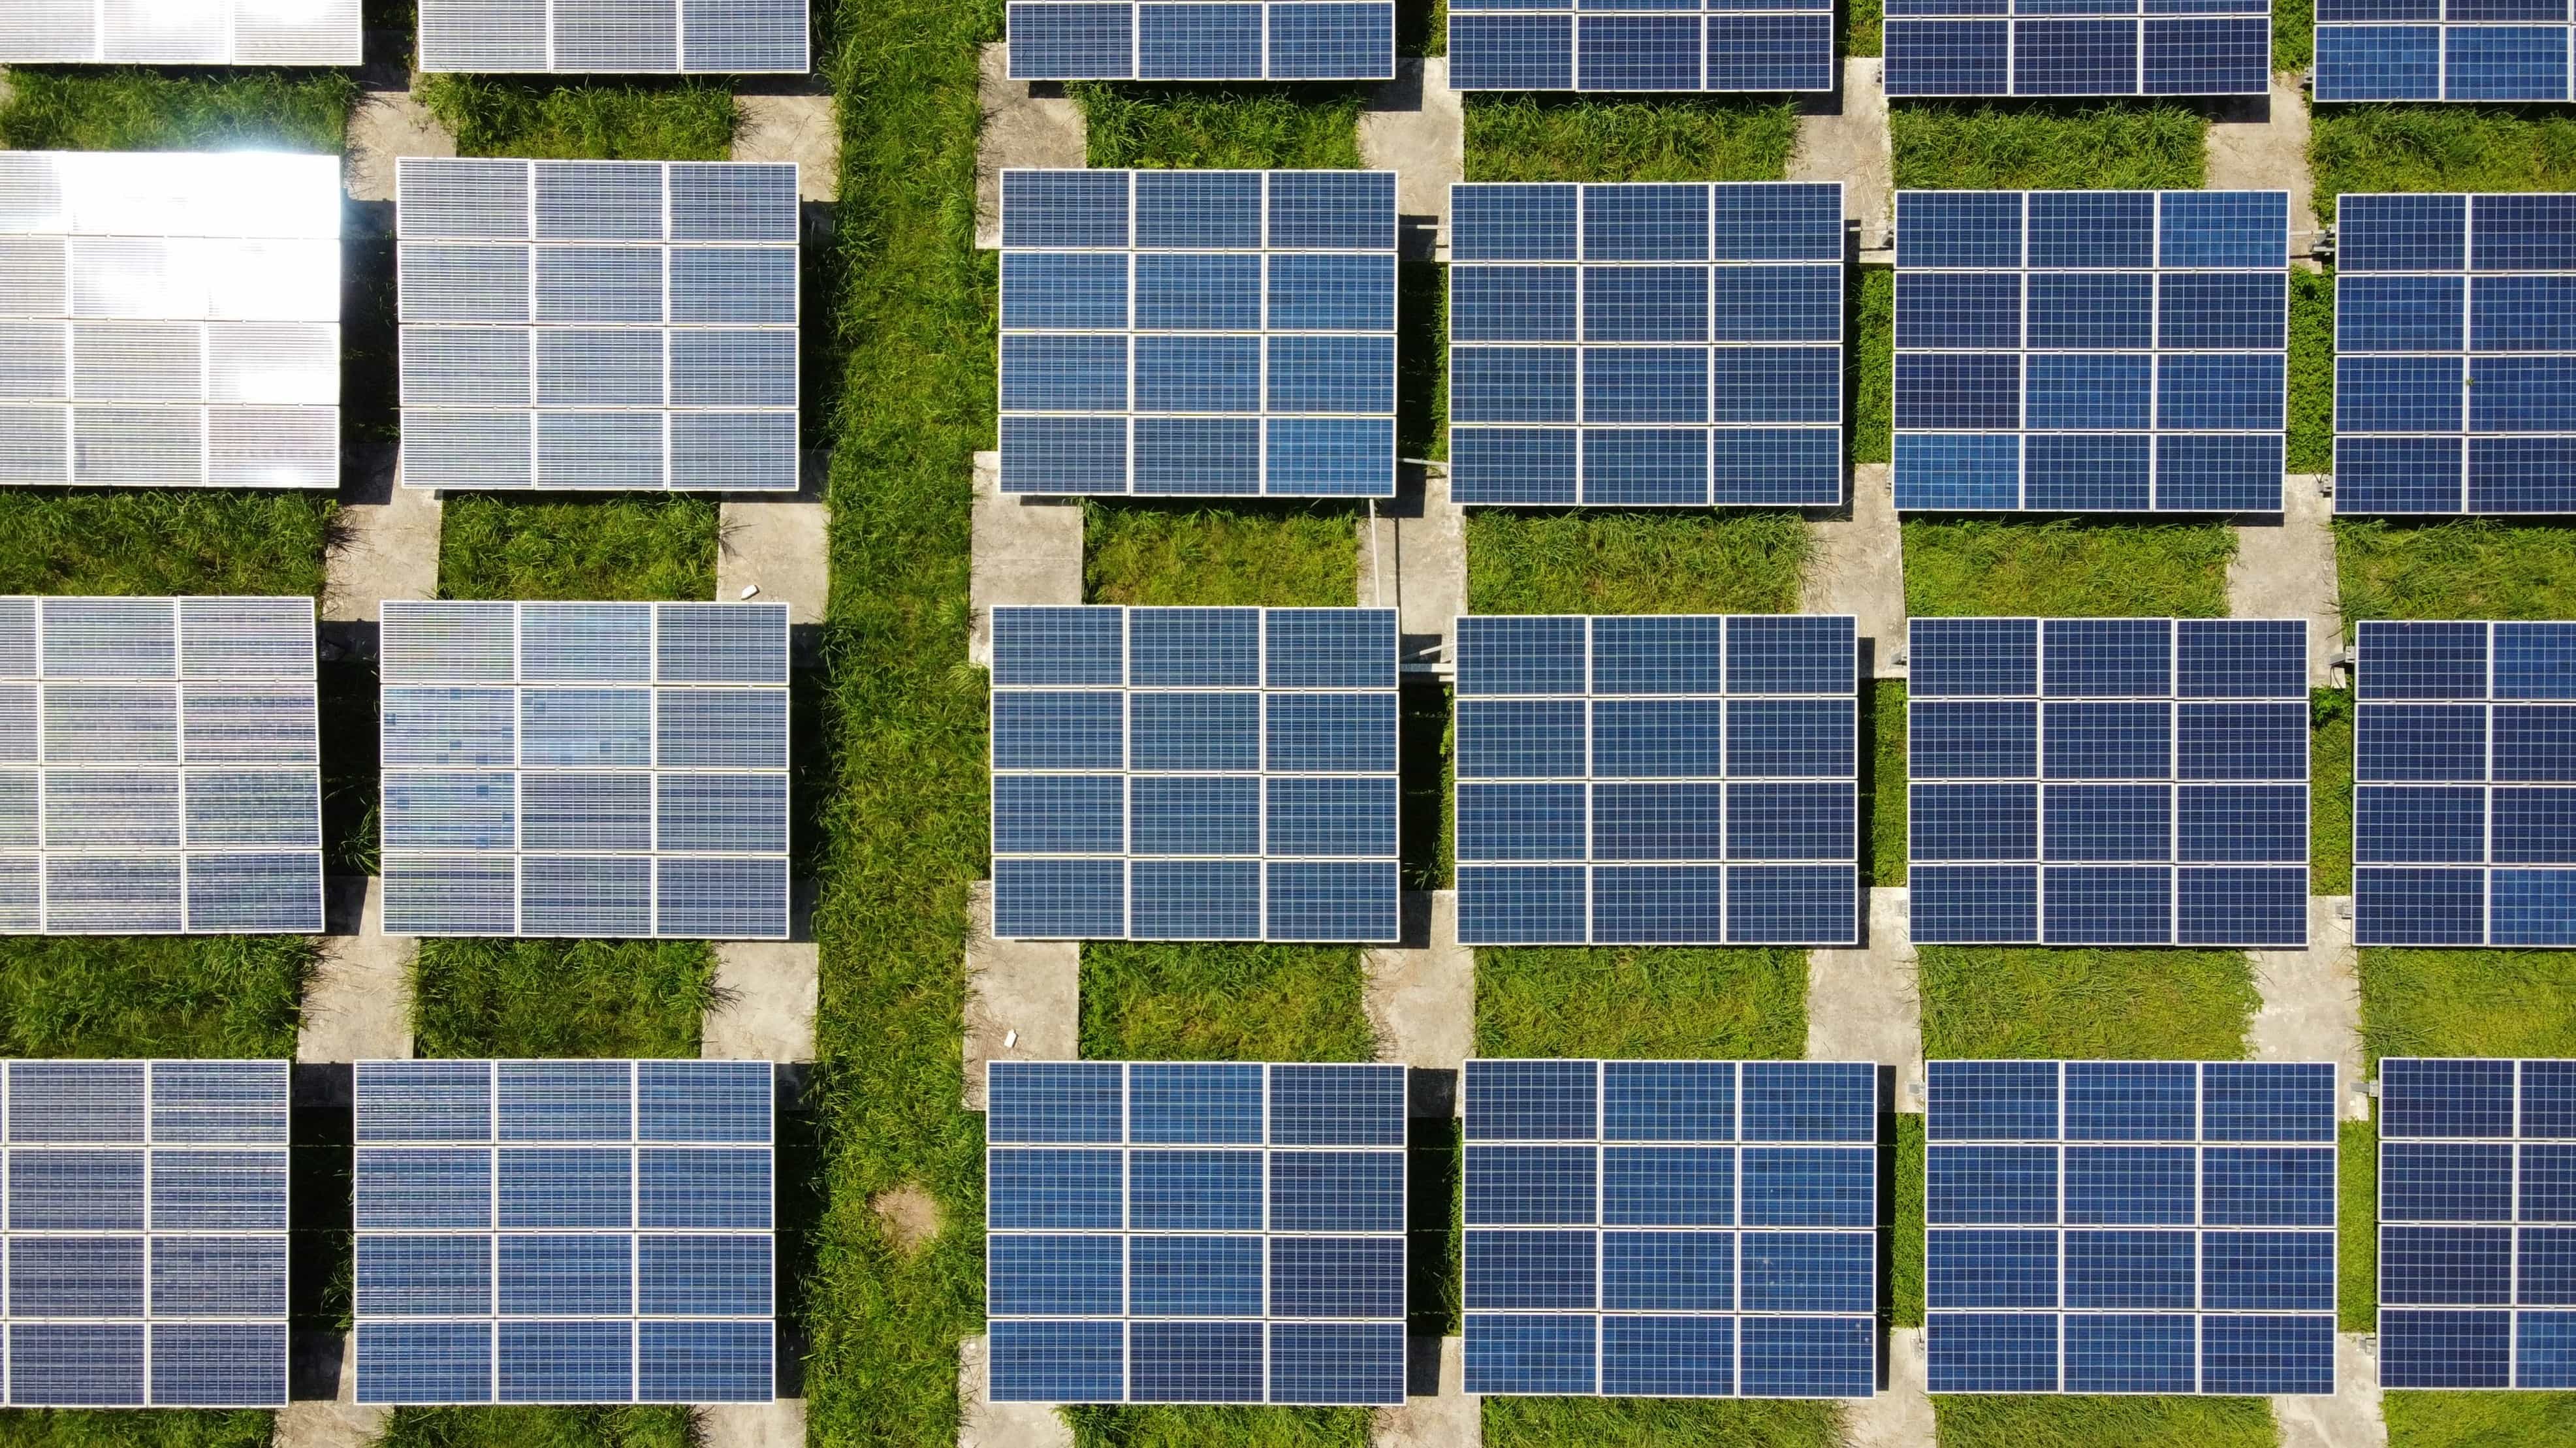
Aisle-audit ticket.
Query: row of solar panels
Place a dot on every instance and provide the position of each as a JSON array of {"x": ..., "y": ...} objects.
[{"x": 641, "y": 36}]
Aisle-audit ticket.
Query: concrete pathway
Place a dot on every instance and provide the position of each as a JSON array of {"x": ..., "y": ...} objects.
[
  {"x": 1024, "y": 126},
  {"x": 384, "y": 540},
  {"x": 1416, "y": 127},
  {"x": 357, "y": 1005},
  {"x": 1413, "y": 559},
  {"x": 2262, "y": 145},
  {"x": 1862, "y": 1003},
  {"x": 985, "y": 1424},
  {"x": 767, "y": 992},
  {"x": 1901, "y": 1415},
  {"x": 2312, "y": 1001},
  {"x": 1438, "y": 1410},
  {"x": 805, "y": 129},
  {"x": 1421, "y": 1000},
  {"x": 1845, "y": 139},
  {"x": 1024, "y": 551},
  {"x": 1023, "y": 997},
  {"x": 2349, "y": 1419},
  {"x": 385, "y": 126},
  {"x": 2286, "y": 569},
  {"x": 1858, "y": 567},
  {"x": 777, "y": 548},
  {"x": 323, "y": 1411}
]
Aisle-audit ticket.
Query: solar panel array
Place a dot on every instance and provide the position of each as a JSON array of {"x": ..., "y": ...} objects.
[
  {"x": 735, "y": 37},
  {"x": 564, "y": 1232},
  {"x": 2464, "y": 794},
  {"x": 1250, "y": 40},
  {"x": 146, "y": 1234},
  {"x": 2426, "y": 50},
  {"x": 1672, "y": 1229},
  {"x": 192, "y": 32},
  {"x": 1670, "y": 780},
  {"x": 1196, "y": 1232},
  {"x": 2078, "y": 47},
  {"x": 2117, "y": 781},
  {"x": 2129, "y": 1227},
  {"x": 585, "y": 769},
  {"x": 2455, "y": 348},
  {"x": 1194, "y": 774},
  {"x": 169, "y": 319},
  {"x": 598, "y": 324},
  {"x": 1738, "y": 45},
  {"x": 2091, "y": 351},
  {"x": 1199, "y": 333},
  {"x": 1646, "y": 344},
  {"x": 2477, "y": 1223}
]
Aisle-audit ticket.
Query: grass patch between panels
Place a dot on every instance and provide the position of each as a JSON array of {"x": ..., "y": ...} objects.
[
  {"x": 2357, "y": 1227},
  {"x": 2330, "y": 792},
  {"x": 1903, "y": 1225},
  {"x": 1869, "y": 352},
  {"x": 1167, "y": 1001},
  {"x": 1170, "y": 1426},
  {"x": 1279, "y": 555},
  {"x": 151, "y": 995},
  {"x": 2066, "y": 568},
  {"x": 1967, "y": 1420},
  {"x": 2311, "y": 368},
  {"x": 1637, "y": 1002},
  {"x": 2459, "y": 568},
  {"x": 2356, "y": 150},
  {"x": 2294, "y": 38},
  {"x": 2418, "y": 1002},
  {"x": 145, "y": 541},
  {"x": 131, "y": 109},
  {"x": 1883, "y": 787},
  {"x": 2479, "y": 1420},
  {"x": 517, "y": 1427},
  {"x": 1526, "y": 138},
  {"x": 548, "y": 999},
  {"x": 1660, "y": 1423},
  {"x": 634, "y": 546},
  {"x": 2005, "y": 1002},
  {"x": 1590, "y": 560},
  {"x": 2047, "y": 146},
  {"x": 58, "y": 1428},
  {"x": 681, "y": 120},
  {"x": 1295, "y": 128}
]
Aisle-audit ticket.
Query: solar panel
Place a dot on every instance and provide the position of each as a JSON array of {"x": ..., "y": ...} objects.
[
  {"x": 1250, "y": 40},
  {"x": 1194, "y": 774},
  {"x": 2115, "y": 781},
  {"x": 1671, "y": 780},
  {"x": 2078, "y": 48},
  {"x": 1195, "y": 1232},
  {"x": 1672, "y": 1229},
  {"x": 1199, "y": 333},
  {"x": 564, "y": 1232},
  {"x": 169, "y": 320},
  {"x": 2129, "y": 1227},
  {"x": 598, "y": 324},
  {"x": 196, "y": 32},
  {"x": 2091, "y": 351},
  {"x": 1736, "y": 45},
  {"x": 593, "y": 37},
  {"x": 2464, "y": 797},
  {"x": 1646, "y": 344},
  {"x": 2414, "y": 51},
  {"x": 2455, "y": 342},
  {"x": 585, "y": 769},
  {"x": 146, "y": 1213}
]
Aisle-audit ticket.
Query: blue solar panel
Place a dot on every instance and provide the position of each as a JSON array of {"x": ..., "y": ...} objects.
[
  {"x": 2455, "y": 343},
  {"x": 1726, "y": 45},
  {"x": 1198, "y": 333},
  {"x": 2078, "y": 47},
  {"x": 2129, "y": 1226},
  {"x": 2415, "y": 50},
  {"x": 1671, "y": 1228},
  {"x": 2108, "y": 781},
  {"x": 1227, "y": 40},
  {"x": 2091, "y": 351},
  {"x": 1223, "y": 1233}
]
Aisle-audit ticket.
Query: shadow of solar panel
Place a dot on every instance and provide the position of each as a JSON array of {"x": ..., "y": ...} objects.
[
  {"x": 1277, "y": 40},
  {"x": 2086, "y": 48},
  {"x": 250, "y": 32},
  {"x": 2416, "y": 53},
  {"x": 636, "y": 37},
  {"x": 1785, "y": 46}
]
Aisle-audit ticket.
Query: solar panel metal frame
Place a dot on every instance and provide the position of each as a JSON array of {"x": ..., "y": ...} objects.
[
  {"x": 1531, "y": 442},
  {"x": 718, "y": 37},
  {"x": 1041, "y": 1142},
  {"x": 397, "y": 1121},
  {"x": 596, "y": 326},
  {"x": 1947, "y": 1276},
  {"x": 2471, "y": 59},
  {"x": 1963, "y": 48},
  {"x": 206, "y": 1282},
  {"x": 169, "y": 320},
  {"x": 1761, "y": 46},
  {"x": 629, "y": 682},
  {"x": 1194, "y": 42},
  {"x": 221, "y": 32}
]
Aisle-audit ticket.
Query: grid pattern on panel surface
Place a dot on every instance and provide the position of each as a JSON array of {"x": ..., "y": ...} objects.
[
  {"x": 1647, "y": 345},
  {"x": 2129, "y": 1227},
  {"x": 1199, "y": 333},
  {"x": 2091, "y": 351},
  {"x": 598, "y": 325},
  {"x": 576, "y": 37},
  {"x": 2078, "y": 47},
  {"x": 1662, "y": 780},
  {"x": 1672, "y": 1229},
  {"x": 2477, "y": 1223},
  {"x": 169, "y": 320},
  {"x": 195, "y": 32},
  {"x": 564, "y": 1232},
  {"x": 2455, "y": 354},
  {"x": 2117, "y": 781},
  {"x": 2464, "y": 784},
  {"x": 1230, "y": 40},
  {"x": 1195, "y": 1232},
  {"x": 146, "y": 1234},
  {"x": 2430, "y": 50},
  {"x": 1683, "y": 45},
  {"x": 1194, "y": 774},
  {"x": 586, "y": 769}
]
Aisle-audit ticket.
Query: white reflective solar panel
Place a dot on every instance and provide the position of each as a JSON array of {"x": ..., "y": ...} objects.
[
  {"x": 598, "y": 37},
  {"x": 586, "y": 769},
  {"x": 146, "y": 1227},
  {"x": 180, "y": 32},
  {"x": 169, "y": 320},
  {"x": 598, "y": 325}
]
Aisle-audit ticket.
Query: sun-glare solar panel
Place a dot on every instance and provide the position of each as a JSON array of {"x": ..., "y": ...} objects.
[
  {"x": 2464, "y": 784},
  {"x": 146, "y": 1234},
  {"x": 564, "y": 1232},
  {"x": 1672, "y": 1229},
  {"x": 598, "y": 324},
  {"x": 585, "y": 769},
  {"x": 2455, "y": 354},
  {"x": 1665, "y": 780},
  {"x": 2091, "y": 351},
  {"x": 1736, "y": 45},
  {"x": 1241, "y": 40},
  {"x": 2477, "y": 1224},
  {"x": 2129, "y": 1227},
  {"x": 1195, "y": 1232},
  {"x": 2426, "y": 50},
  {"x": 1646, "y": 345},
  {"x": 169, "y": 320},
  {"x": 1194, "y": 774},
  {"x": 180, "y": 32},
  {"x": 595, "y": 37},
  {"x": 2078, "y": 47},
  {"x": 1199, "y": 333},
  {"x": 2108, "y": 781}
]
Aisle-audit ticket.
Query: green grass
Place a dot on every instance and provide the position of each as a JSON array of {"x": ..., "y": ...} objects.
[
  {"x": 2358, "y": 149},
  {"x": 632, "y": 546},
  {"x": 1871, "y": 360},
  {"x": 2047, "y": 145},
  {"x": 1861, "y": 27},
  {"x": 631, "y": 121},
  {"x": 1191, "y": 1427},
  {"x": 1973, "y": 1421},
  {"x": 558, "y": 998},
  {"x": 2467, "y": 1003},
  {"x": 2066, "y": 568},
  {"x": 2330, "y": 792},
  {"x": 2005, "y": 1002},
  {"x": 1659, "y": 1423},
  {"x": 2357, "y": 1228},
  {"x": 142, "y": 541},
  {"x": 539, "y": 1428},
  {"x": 48, "y": 1429},
  {"x": 2311, "y": 417},
  {"x": 1281, "y": 555},
  {"x": 2462, "y": 568},
  {"x": 151, "y": 995},
  {"x": 1678, "y": 1004},
  {"x": 2479, "y": 1420},
  {"x": 1905, "y": 1229},
  {"x": 1598, "y": 561},
  {"x": 1203, "y": 1002},
  {"x": 1883, "y": 800},
  {"x": 130, "y": 109},
  {"x": 1526, "y": 138},
  {"x": 1220, "y": 128},
  {"x": 2293, "y": 34}
]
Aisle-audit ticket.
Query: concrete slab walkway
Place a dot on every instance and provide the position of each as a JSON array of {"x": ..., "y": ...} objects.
[
  {"x": 2352, "y": 1418},
  {"x": 1023, "y": 997},
  {"x": 357, "y": 1005},
  {"x": 384, "y": 539},
  {"x": 385, "y": 126},
  {"x": 1024, "y": 126},
  {"x": 1862, "y": 1004},
  {"x": 2262, "y": 145},
  {"x": 1024, "y": 551},
  {"x": 805, "y": 129},
  {"x": 982, "y": 1423},
  {"x": 1438, "y": 1411},
  {"x": 325, "y": 1366},
  {"x": 1845, "y": 139},
  {"x": 1413, "y": 559},
  {"x": 2286, "y": 569},
  {"x": 1421, "y": 1000},
  {"x": 1901, "y": 1415},
  {"x": 779, "y": 545},
  {"x": 2312, "y": 1001},
  {"x": 1858, "y": 567},
  {"x": 1415, "y": 126},
  {"x": 767, "y": 992}
]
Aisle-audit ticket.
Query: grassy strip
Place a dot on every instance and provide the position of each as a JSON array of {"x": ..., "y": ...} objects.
[
  {"x": 2003, "y": 1002},
  {"x": 2311, "y": 416},
  {"x": 1974, "y": 1421},
  {"x": 2467, "y": 1003},
  {"x": 2479, "y": 1420},
  {"x": 2293, "y": 34},
  {"x": 1642, "y": 1003},
  {"x": 1198, "y": 1427},
  {"x": 1282, "y": 555},
  {"x": 151, "y": 995},
  {"x": 545, "y": 999},
  {"x": 2330, "y": 792},
  {"x": 2047, "y": 146},
  {"x": 683, "y": 120},
  {"x": 1202, "y": 1002},
  {"x": 2359, "y": 149},
  {"x": 2066, "y": 568},
  {"x": 632, "y": 546},
  {"x": 1659, "y": 1423},
  {"x": 2463, "y": 568},
  {"x": 1599, "y": 561},
  {"x": 1883, "y": 794},
  {"x": 1869, "y": 340},
  {"x": 540, "y": 1428},
  {"x": 1220, "y": 128},
  {"x": 1905, "y": 1232},
  {"x": 1527, "y": 138},
  {"x": 138, "y": 541},
  {"x": 1862, "y": 33},
  {"x": 2357, "y": 1228},
  {"x": 131, "y": 109}
]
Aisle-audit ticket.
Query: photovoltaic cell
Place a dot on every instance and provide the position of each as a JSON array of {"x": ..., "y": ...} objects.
[
  {"x": 2129, "y": 1227},
  {"x": 2078, "y": 47},
  {"x": 2423, "y": 50},
  {"x": 1683, "y": 45},
  {"x": 725, "y": 37},
  {"x": 239, "y": 32},
  {"x": 1277, "y": 40}
]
